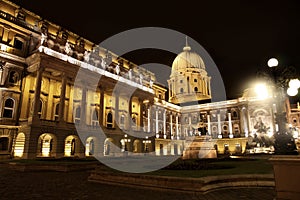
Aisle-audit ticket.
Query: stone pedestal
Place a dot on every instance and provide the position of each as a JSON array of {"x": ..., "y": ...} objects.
[
  {"x": 287, "y": 176},
  {"x": 199, "y": 147}
]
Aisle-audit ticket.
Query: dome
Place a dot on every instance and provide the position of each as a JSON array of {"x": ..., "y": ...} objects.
[{"x": 187, "y": 61}]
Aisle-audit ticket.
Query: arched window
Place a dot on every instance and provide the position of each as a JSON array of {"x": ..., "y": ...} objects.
[
  {"x": 13, "y": 77},
  {"x": 133, "y": 120},
  {"x": 234, "y": 114},
  {"x": 56, "y": 113},
  {"x": 70, "y": 145},
  {"x": 195, "y": 80},
  {"x": 19, "y": 145},
  {"x": 109, "y": 120},
  {"x": 122, "y": 119},
  {"x": 196, "y": 89},
  {"x": 89, "y": 147},
  {"x": 95, "y": 121},
  {"x": 8, "y": 109},
  {"x": 181, "y": 90},
  {"x": 40, "y": 109},
  {"x": 77, "y": 115}
]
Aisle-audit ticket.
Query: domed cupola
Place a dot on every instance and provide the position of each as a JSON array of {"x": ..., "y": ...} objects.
[
  {"x": 187, "y": 61},
  {"x": 188, "y": 80}
]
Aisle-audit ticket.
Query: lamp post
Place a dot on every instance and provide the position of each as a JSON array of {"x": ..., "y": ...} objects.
[
  {"x": 126, "y": 142},
  {"x": 147, "y": 142},
  {"x": 281, "y": 77}
]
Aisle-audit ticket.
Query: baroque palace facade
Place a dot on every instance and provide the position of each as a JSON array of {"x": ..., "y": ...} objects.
[{"x": 43, "y": 113}]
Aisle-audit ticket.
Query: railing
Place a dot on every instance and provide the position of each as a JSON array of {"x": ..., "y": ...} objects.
[{"x": 90, "y": 67}]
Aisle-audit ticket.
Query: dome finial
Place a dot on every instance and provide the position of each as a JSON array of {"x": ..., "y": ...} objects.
[
  {"x": 186, "y": 41},
  {"x": 187, "y": 47}
]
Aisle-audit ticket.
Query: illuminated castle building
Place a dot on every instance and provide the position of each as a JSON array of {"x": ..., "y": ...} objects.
[{"x": 42, "y": 111}]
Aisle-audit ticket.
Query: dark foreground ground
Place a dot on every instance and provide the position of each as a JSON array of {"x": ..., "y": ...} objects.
[{"x": 74, "y": 185}]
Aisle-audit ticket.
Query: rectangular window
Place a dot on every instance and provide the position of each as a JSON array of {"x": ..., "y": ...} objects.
[{"x": 18, "y": 44}]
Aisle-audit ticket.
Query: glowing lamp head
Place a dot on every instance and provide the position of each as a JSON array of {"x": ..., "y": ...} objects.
[
  {"x": 273, "y": 62},
  {"x": 292, "y": 91},
  {"x": 261, "y": 91},
  {"x": 294, "y": 83}
]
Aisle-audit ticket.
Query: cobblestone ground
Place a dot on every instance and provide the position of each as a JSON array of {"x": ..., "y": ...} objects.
[{"x": 74, "y": 185}]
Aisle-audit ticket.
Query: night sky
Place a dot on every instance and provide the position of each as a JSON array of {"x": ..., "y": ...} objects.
[{"x": 240, "y": 36}]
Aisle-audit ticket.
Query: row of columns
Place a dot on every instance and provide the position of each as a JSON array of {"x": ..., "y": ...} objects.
[
  {"x": 165, "y": 125},
  {"x": 36, "y": 99},
  {"x": 244, "y": 119},
  {"x": 83, "y": 110}
]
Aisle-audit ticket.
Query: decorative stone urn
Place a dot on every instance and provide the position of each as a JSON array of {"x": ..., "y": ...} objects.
[{"x": 287, "y": 176}]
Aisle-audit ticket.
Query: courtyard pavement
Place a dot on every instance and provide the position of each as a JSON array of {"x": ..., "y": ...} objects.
[{"x": 74, "y": 185}]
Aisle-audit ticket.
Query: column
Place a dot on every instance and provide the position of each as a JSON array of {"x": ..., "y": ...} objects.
[
  {"x": 129, "y": 114},
  {"x": 219, "y": 126},
  {"x": 148, "y": 120},
  {"x": 190, "y": 132},
  {"x": 173, "y": 89},
  {"x": 50, "y": 109},
  {"x": 141, "y": 116},
  {"x": 116, "y": 109},
  {"x": 209, "y": 86},
  {"x": 177, "y": 127},
  {"x": 62, "y": 98},
  {"x": 208, "y": 125},
  {"x": 101, "y": 107},
  {"x": 37, "y": 93},
  {"x": 165, "y": 131},
  {"x": 156, "y": 121},
  {"x": 83, "y": 106},
  {"x": 171, "y": 126},
  {"x": 230, "y": 125},
  {"x": 246, "y": 130},
  {"x": 170, "y": 88}
]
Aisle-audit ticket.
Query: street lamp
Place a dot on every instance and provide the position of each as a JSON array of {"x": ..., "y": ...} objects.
[
  {"x": 147, "y": 142},
  {"x": 294, "y": 85},
  {"x": 126, "y": 141},
  {"x": 280, "y": 78}
]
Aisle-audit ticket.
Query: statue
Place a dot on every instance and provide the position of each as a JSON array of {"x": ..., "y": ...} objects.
[
  {"x": 130, "y": 74},
  {"x": 67, "y": 48},
  {"x": 260, "y": 126},
  {"x": 141, "y": 78},
  {"x": 86, "y": 56},
  {"x": 103, "y": 64},
  {"x": 43, "y": 38},
  {"x": 117, "y": 69},
  {"x": 151, "y": 83}
]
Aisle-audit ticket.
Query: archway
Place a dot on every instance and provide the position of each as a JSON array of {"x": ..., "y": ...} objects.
[
  {"x": 19, "y": 145},
  {"x": 137, "y": 146},
  {"x": 71, "y": 145},
  {"x": 108, "y": 146},
  {"x": 90, "y": 146},
  {"x": 46, "y": 145}
]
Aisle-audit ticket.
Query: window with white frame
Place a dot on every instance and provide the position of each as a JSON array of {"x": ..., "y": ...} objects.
[
  {"x": 95, "y": 115},
  {"x": 77, "y": 115},
  {"x": 8, "y": 108}
]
